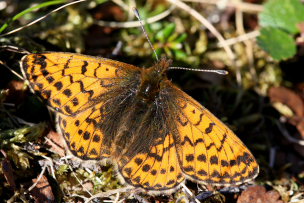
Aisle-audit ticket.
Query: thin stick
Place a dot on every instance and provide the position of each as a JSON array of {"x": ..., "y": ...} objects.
[
  {"x": 117, "y": 197},
  {"x": 121, "y": 4},
  {"x": 221, "y": 72},
  {"x": 286, "y": 134},
  {"x": 131, "y": 24},
  {"x": 239, "y": 18},
  {"x": 245, "y": 7},
  {"x": 79, "y": 181},
  {"x": 117, "y": 48},
  {"x": 41, "y": 18},
  {"x": 207, "y": 24},
  {"x": 144, "y": 31},
  {"x": 51, "y": 164},
  {"x": 38, "y": 179},
  {"x": 108, "y": 193},
  {"x": 12, "y": 71},
  {"x": 189, "y": 192},
  {"x": 14, "y": 49},
  {"x": 241, "y": 38}
]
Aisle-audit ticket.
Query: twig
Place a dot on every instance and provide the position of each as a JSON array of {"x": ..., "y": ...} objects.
[
  {"x": 38, "y": 179},
  {"x": 117, "y": 48},
  {"x": 250, "y": 55},
  {"x": 248, "y": 44},
  {"x": 81, "y": 196},
  {"x": 140, "y": 198},
  {"x": 186, "y": 189},
  {"x": 11, "y": 70},
  {"x": 131, "y": 24},
  {"x": 108, "y": 193},
  {"x": 245, "y": 7},
  {"x": 51, "y": 165},
  {"x": 122, "y": 200},
  {"x": 121, "y": 4},
  {"x": 117, "y": 197},
  {"x": 79, "y": 181},
  {"x": 241, "y": 38},
  {"x": 286, "y": 134},
  {"x": 207, "y": 24},
  {"x": 41, "y": 18}
]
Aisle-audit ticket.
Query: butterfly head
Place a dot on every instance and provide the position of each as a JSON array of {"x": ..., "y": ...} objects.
[{"x": 151, "y": 80}]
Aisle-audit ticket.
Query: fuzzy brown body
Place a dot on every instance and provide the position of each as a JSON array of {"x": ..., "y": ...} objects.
[
  {"x": 155, "y": 133},
  {"x": 139, "y": 114}
]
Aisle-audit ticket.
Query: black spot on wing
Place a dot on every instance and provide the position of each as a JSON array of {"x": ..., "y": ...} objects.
[
  {"x": 67, "y": 92},
  {"x": 209, "y": 129},
  {"x": 187, "y": 139},
  {"x": 84, "y": 67},
  {"x": 213, "y": 160},
  {"x": 58, "y": 85},
  {"x": 200, "y": 120}
]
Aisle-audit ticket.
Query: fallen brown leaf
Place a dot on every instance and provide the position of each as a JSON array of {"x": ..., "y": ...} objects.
[
  {"x": 287, "y": 97},
  {"x": 16, "y": 92},
  {"x": 8, "y": 172},
  {"x": 258, "y": 194},
  {"x": 294, "y": 101},
  {"x": 56, "y": 143},
  {"x": 42, "y": 192}
]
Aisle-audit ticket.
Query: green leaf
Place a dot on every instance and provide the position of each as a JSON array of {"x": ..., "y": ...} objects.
[
  {"x": 164, "y": 34},
  {"x": 22, "y": 135},
  {"x": 179, "y": 54},
  {"x": 172, "y": 37},
  {"x": 169, "y": 29},
  {"x": 63, "y": 169},
  {"x": 279, "y": 44},
  {"x": 284, "y": 14},
  {"x": 175, "y": 45},
  {"x": 181, "y": 38}
]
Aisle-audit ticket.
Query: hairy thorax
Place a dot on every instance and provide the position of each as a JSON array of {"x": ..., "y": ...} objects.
[{"x": 138, "y": 118}]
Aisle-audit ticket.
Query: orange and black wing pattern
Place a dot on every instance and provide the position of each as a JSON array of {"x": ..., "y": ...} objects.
[
  {"x": 208, "y": 151},
  {"x": 154, "y": 133},
  {"x": 155, "y": 170},
  {"x": 76, "y": 87}
]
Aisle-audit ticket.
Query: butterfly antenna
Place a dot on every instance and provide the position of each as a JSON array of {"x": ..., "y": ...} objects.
[
  {"x": 144, "y": 31},
  {"x": 220, "y": 72}
]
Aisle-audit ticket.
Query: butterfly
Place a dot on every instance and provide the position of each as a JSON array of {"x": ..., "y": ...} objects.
[{"x": 154, "y": 133}]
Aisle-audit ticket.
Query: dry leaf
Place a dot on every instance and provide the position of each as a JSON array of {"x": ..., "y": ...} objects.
[
  {"x": 42, "y": 192},
  {"x": 8, "y": 172},
  {"x": 288, "y": 98},
  {"x": 56, "y": 143},
  {"x": 258, "y": 194}
]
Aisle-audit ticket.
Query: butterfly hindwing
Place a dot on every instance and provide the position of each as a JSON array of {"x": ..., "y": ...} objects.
[
  {"x": 156, "y": 170},
  {"x": 83, "y": 136}
]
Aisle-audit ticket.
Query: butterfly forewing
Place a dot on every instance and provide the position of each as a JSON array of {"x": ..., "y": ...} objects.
[
  {"x": 77, "y": 87},
  {"x": 73, "y": 82},
  {"x": 208, "y": 151}
]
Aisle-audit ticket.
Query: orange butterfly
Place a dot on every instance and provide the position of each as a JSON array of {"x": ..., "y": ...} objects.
[{"x": 154, "y": 133}]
